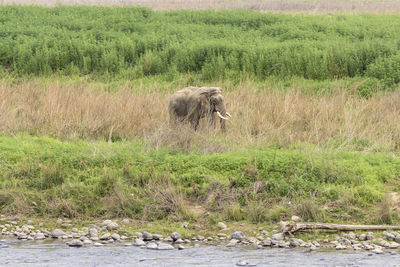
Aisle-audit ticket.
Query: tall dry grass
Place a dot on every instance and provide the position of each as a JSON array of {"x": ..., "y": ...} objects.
[
  {"x": 292, "y": 6},
  {"x": 80, "y": 110}
]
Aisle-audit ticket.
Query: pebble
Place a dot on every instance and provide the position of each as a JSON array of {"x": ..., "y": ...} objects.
[
  {"x": 106, "y": 236},
  {"x": 377, "y": 251},
  {"x": 87, "y": 241},
  {"x": 221, "y": 225},
  {"x": 296, "y": 218},
  {"x": 157, "y": 236},
  {"x": 237, "y": 235},
  {"x": 39, "y": 236},
  {"x": 278, "y": 236},
  {"x": 96, "y": 244},
  {"x": 147, "y": 236},
  {"x": 165, "y": 246},
  {"x": 139, "y": 242},
  {"x": 175, "y": 236},
  {"x": 151, "y": 245},
  {"x": 232, "y": 243},
  {"x": 57, "y": 233},
  {"x": 181, "y": 247},
  {"x": 125, "y": 221},
  {"x": 115, "y": 236},
  {"x": 242, "y": 263},
  {"x": 75, "y": 243}
]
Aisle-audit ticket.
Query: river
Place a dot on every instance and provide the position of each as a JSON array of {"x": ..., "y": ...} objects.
[{"x": 56, "y": 253}]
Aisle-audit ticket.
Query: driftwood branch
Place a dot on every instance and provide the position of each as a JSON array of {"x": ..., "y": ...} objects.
[{"x": 291, "y": 227}]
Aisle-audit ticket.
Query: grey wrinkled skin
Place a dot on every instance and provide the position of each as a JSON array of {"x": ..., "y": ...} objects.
[{"x": 191, "y": 104}]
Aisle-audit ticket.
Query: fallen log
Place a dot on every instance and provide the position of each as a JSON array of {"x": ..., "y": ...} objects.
[{"x": 291, "y": 227}]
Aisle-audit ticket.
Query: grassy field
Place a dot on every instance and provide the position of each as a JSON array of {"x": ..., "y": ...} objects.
[
  {"x": 46, "y": 177},
  {"x": 84, "y": 133},
  {"x": 263, "y": 117}
]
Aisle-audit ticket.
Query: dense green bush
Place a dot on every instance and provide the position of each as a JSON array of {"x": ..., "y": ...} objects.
[{"x": 134, "y": 42}]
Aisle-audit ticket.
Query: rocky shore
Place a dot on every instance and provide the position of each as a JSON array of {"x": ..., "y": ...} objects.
[{"x": 109, "y": 232}]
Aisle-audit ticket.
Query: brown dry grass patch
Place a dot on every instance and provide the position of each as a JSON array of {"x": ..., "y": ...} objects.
[{"x": 80, "y": 110}]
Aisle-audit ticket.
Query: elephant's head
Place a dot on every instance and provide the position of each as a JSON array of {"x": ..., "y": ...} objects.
[{"x": 213, "y": 103}]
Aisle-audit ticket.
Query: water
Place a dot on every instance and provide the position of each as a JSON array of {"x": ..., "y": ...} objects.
[{"x": 54, "y": 253}]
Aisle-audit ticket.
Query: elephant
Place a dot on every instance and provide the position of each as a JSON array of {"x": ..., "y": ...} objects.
[{"x": 191, "y": 104}]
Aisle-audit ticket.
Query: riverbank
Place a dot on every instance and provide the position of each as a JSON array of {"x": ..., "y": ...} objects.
[{"x": 126, "y": 232}]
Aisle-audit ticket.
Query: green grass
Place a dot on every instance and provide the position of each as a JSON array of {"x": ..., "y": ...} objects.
[
  {"x": 44, "y": 177},
  {"x": 130, "y": 43}
]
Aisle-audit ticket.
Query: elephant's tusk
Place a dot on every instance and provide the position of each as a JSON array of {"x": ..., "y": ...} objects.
[
  {"x": 228, "y": 114},
  {"x": 222, "y": 117}
]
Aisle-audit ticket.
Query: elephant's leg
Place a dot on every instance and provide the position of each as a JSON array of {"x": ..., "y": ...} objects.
[
  {"x": 211, "y": 120},
  {"x": 195, "y": 124}
]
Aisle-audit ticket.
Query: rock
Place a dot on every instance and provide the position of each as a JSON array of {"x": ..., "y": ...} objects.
[
  {"x": 278, "y": 236},
  {"x": 147, "y": 236},
  {"x": 221, "y": 225},
  {"x": 139, "y": 242},
  {"x": 164, "y": 246},
  {"x": 57, "y": 233},
  {"x": 106, "y": 222},
  {"x": 294, "y": 242},
  {"x": 74, "y": 230},
  {"x": 175, "y": 236},
  {"x": 157, "y": 236},
  {"x": 397, "y": 238},
  {"x": 59, "y": 221},
  {"x": 237, "y": 235},
  {"x": 242, "y": 263},
  {"x": 139, "y": 234},
  {"x": 75, "y": 243},
  {"x": 98, "y": 244},
  {"x": 115, "y": 236},
  {"x": 168, "y": 239},
  {"x": 296, "y": 218},
  {"x": 377, "y": 250},
  {"x": 151, "y": 245},
  {"x": 128, "y": 244},
  {"x": 340, "y": 247},
  {"x": 263, "y": 232},
  {"x": 179, "y": 241},
  {"x": 351, "y": 235},
  {"x": 29, "y": 222},
  {"x": 362, "y": 237},
  {"x": 232, "y": 243},
  {"x": 93, "y": 232},
  {"x": 185, "y": 225},
  {"x": 125, "y": 221},
  {"x": 312, "y": 248},
  {"x": 112, "y": 226},
  {"x": 39, "y": 236},
  {"x": 87, "y": 242},
  {"x": 181, "y": 247},
  {"x": 370, "y": 236},
  {"x": 106, "y": 236},
  {"x": 393, "y": 245}
]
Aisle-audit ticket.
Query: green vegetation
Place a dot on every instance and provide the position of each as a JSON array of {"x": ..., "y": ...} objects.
[
  {"x": 45, "y": 177},
  {"x": 249, "y": 54},
  {"x": 129, "y": 43}
]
